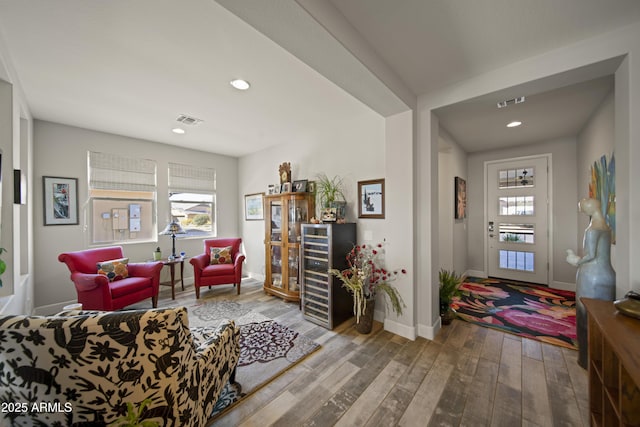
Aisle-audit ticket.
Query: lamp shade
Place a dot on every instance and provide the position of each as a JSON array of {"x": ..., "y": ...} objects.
[{"x": 173, "y": 228}]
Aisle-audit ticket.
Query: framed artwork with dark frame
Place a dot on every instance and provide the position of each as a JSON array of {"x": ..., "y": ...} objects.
[
  {"x": 300, "y": 186},
  {"x": 253, "y": 204},
  {"x": 371, "y": 198},
  {"x": 461, "y": 198},
  {"x": 60, "y": 200}
]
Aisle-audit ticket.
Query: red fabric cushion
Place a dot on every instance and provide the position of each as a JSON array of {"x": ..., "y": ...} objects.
[
  {"x": 129, "y": 285},
  {"x": 218, "y": 270}
]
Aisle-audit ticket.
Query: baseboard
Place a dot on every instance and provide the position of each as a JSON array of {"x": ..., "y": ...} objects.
[
  {"x": 51, "y": 309},
  {"x": 565, "y": 286},
  {"x": 408, "y": 332},
  {"x": 476, "y": 273},
  {"x": 429, "y": 332},
  {"x": 257, "y": 276}
]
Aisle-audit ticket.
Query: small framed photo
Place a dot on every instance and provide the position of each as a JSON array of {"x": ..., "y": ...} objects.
[
  {"x": 60, "y": 200},
  {"x": 277, "y": 188},
  {"x": 286, "y": 187},
  {"x": 311, "y": 187},
  {"x": 253, "y": 207},
  {"x": 300, "y": 186},
  {"x": 271, "y": 189},
  {"x": 371, "y": 198}
]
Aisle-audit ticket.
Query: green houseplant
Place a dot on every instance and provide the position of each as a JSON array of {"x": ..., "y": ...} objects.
[
  {"x": 329, "y": 190},
  {"x": 134, "y": 418},
  {"x": 449, "y": 287},
  {"x": 3, "y": 265},
  {"x": 365, "y": 279},
  {"x": 331, "y": 200}
]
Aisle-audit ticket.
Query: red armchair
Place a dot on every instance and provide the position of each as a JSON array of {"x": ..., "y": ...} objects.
[
  {"x": 96, "y": 292},
  {"x": 207, "y": 274}
]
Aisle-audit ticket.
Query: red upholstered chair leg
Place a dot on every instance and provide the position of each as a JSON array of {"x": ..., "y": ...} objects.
[
  {"x": 154, "y": 301},
  {"x": 238, "y": 288},
  {"x": 197, "y": 292}
]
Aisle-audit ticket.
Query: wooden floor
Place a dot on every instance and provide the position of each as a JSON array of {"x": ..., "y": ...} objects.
[{"x": 467, "y": 376}]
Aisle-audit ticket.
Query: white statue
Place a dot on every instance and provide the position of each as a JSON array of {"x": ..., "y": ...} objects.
[{"x": 595, "y": 277}]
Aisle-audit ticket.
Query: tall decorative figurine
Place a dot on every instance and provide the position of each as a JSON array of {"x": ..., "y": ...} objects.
[{"x": 595, "y": 277}]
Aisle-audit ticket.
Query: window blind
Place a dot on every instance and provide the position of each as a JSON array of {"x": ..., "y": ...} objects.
[
  {"x": 113, "y": 172},
  {"x": 191, "y": 179}
]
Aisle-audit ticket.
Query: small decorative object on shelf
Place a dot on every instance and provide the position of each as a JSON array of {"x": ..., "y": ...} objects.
[
  {"x": 157, "y": 254},
  {"x": 629, "y": 305},
  {"x": 284, "y": 171},
  {"x": 366, "y": 277}
]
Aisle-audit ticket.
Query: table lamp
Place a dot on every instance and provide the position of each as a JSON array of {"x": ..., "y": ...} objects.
[{"x": 172, "y": 229}]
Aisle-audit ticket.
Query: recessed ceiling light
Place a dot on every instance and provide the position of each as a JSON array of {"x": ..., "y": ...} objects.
[
  {"x": 514, "y": 124},
  {"x": 179, "y": 131},
  {"x": 240, "y": 84}
]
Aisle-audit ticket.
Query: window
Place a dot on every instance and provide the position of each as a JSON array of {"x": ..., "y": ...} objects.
[
  {"x": 122, "y": 195},
  {"x": 192, "y": 195},
  {"x": 510, "y": 178}
]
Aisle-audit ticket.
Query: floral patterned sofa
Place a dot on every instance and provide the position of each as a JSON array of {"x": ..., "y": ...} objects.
[{"x": 82, "y": 368}]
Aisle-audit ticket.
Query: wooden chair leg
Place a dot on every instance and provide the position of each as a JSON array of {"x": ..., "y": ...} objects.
[
  {"x": 238, "y": 288},
  {"x": 197, "y": 292}
]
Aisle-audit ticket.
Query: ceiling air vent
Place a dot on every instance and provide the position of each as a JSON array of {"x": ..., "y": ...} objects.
[
  {"x": 518, "y": 100},
  {"x": 188, "y": 120}
]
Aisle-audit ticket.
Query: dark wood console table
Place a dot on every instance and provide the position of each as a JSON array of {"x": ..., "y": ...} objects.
[
  {"x": 614, "y": 365},
  {"x": 172, "y": 266}
]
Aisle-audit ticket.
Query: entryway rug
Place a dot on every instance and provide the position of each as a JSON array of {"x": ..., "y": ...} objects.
[
  {"x": 267, "y": 348},
  {"x": 531, "y": 311}
]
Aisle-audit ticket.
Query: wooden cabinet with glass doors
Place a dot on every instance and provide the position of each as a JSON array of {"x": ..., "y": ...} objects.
[{"x": 284, "y": 215}]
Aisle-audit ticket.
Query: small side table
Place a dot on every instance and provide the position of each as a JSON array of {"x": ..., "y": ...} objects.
[{"x": 172, "y": 266}]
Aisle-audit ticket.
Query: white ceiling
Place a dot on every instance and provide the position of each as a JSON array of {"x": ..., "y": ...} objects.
[{"x": 131, "y": 67}]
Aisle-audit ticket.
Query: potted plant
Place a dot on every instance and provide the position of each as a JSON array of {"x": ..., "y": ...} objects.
[
  {"x": 3, "y": 265},
  {"x": 135, "y": 418},
  {"x": 449, "y": 288},
  {"x": 330, "y": 194},
  {"x": 365, "y": 279}
]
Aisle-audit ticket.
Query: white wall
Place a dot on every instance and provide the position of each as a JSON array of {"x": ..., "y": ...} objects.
[
  {"x": 61, "y": 150},
  {"x": 353, "y": 149},
  {"x": 594, "y": 140},
  {"x": 564, "y": 202},
  {"x": 452, "y": 162},
  {"x": 16, "y": 295},
  {"x": 625, "y": 41},
  {"x": 362, "y": 147}
]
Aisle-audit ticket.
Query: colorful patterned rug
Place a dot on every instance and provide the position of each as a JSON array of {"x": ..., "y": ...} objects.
[
  {"x": 531, "y": 311},
  {"x": 267, "y": 348}
]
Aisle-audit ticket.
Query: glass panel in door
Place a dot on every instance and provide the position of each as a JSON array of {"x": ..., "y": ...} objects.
[{"x": 517, "y": 226}]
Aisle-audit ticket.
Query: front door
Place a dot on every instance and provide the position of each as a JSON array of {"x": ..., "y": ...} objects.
[{"x": 517, "y": 219}]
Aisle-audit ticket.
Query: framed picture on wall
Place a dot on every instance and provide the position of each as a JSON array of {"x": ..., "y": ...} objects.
[
  {"x": 371, "y": 198},
  {"x": 253, "y": 207},
  {"x": 60, "y": 200},
  {"x": 460, "y": 198}
]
